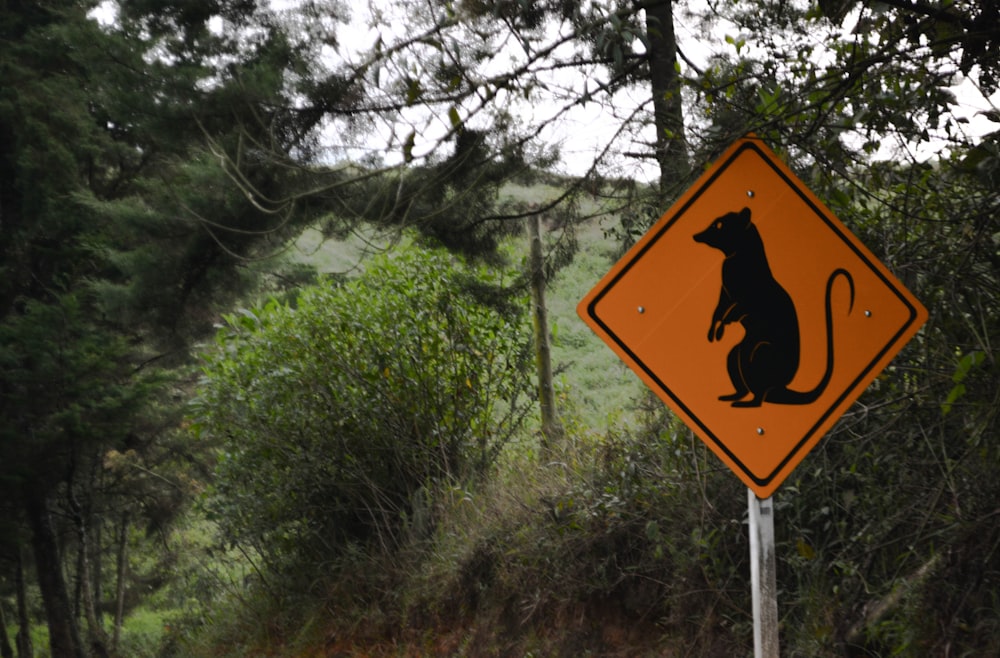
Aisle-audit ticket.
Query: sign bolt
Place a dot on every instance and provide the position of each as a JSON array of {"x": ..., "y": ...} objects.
[
  {"x": 750, "y": 193},
  {"x": 868, "y": 314},
  {"x": 760, "y": 431},
  {"x": 642, "y": 309}
]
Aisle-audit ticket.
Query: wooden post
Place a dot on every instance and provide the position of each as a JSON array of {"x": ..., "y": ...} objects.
[
  {"x": 551, "y": 428},
  {"x": 763, "y": 578}
]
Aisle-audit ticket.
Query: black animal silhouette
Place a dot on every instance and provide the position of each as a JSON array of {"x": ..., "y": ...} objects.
[{"x": 765, "y": 361}]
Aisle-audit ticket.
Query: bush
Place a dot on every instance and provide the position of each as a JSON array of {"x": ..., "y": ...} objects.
[{"x": 339, "y": 414}]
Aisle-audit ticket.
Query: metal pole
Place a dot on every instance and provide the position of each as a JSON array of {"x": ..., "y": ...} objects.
[{"x": 763, "y": 568}]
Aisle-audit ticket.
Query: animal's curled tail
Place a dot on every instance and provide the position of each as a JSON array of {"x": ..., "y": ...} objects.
[{"x": 787, "y": 396}]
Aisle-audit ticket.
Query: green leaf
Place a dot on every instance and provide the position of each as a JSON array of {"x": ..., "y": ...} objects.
[
  {"x": 954, "y": 394},
  {"x": 840, "y": 197},
  {"x": 965, "y": 365},
  {"x": 653, "y": 531}
]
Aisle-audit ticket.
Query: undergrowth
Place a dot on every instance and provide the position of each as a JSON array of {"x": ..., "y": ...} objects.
[{"x": 626, "y": 543}]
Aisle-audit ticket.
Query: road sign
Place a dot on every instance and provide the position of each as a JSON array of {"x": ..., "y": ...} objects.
[{"x": 753, "y": 312}]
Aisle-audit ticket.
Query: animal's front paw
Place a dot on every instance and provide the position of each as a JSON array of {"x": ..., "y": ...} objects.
[{"x": 715, "y": 332}]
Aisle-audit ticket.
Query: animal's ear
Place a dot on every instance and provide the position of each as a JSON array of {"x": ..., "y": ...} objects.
[{"x": 745, "y": 214}]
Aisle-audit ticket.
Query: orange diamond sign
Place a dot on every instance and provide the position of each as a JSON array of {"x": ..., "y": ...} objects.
[{"x": 753, "y": 312}]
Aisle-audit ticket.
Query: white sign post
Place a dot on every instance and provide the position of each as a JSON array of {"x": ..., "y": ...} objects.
[{"x": 763, "y": 580}]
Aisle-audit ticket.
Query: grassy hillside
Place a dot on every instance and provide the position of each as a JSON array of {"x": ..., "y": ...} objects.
[{"x": 599, "y": 386}]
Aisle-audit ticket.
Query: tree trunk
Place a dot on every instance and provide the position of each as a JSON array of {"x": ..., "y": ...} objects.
[
  {"x": 77, "y": 597},
  {"x": 64, "y": 638},
  {"x": 6, "y": 650},
  {"x": 23, "y": 637},
  {"x": 97, "y": 638},
  {"x": 665, "y": 79},
  {"x": 121, "y": 573},
  {"x": 551, "y": 429},
  {"x": 95, "y": 551},
  {"x": 95, "y": 631}
]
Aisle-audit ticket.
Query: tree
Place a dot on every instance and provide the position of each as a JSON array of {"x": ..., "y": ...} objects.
[
  {"x": 61, "y": 370},
  {"x": 434, "y": 91},
  {"x": 451, "y": 98},
  {"x": 110, "y": 250}
]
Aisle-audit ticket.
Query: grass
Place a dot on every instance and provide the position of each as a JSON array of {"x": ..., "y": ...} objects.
[
  {"x": 335, "y": 256},
  {"x": 602, "y": 387}
]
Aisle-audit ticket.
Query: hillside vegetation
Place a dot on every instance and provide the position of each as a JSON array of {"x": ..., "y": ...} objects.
[
  {"x": 627, "y": 537},
  {"x": 269, "y": 344},
  {"x": 569, "y": 551}
]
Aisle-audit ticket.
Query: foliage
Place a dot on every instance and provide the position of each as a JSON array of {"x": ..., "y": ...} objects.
[
  {"x": 663, "y": 495},
  {"x": 901, "y": 486},
  {"x": 112, "y": 253},
  {"x": 429, "y": 122},
  {"x": 843, "y": 81},
  {"x": 41, "y": 370},
  {"x": 600, "y": 548},
  {"x": 149, "y": 162},
  {"x": 894, "y": 493},
  {"x": 454, "y": 203},
  {"x": 342, "y": 414}
]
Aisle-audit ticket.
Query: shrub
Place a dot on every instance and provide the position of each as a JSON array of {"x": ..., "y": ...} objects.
[{"x": 339, "y": 414}]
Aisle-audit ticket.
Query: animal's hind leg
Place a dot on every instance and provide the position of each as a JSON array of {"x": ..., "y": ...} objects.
[
  {"x": 760, "y": 372},
  {"x": 735, "y": 376}
]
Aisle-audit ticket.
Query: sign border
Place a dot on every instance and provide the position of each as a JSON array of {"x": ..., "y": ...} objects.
[{"x": 675, "y": 212}]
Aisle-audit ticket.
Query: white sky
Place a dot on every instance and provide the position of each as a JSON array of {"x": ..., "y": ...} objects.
[{"x": 584, "y": 130}]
